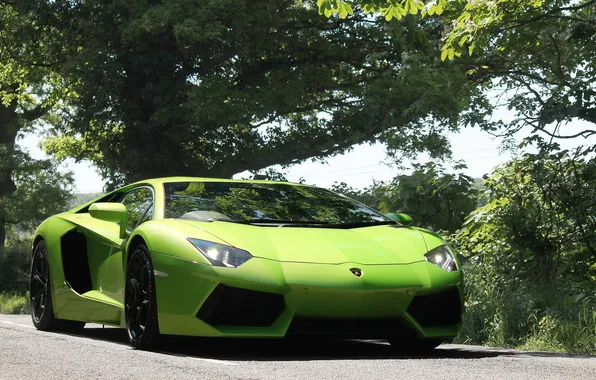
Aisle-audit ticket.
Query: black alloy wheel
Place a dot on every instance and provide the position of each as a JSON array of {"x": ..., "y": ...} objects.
[
  {"x": 39, "y": 287},
  {"x": 140, "y": 302},
  {"x": 40, "y": 295}
]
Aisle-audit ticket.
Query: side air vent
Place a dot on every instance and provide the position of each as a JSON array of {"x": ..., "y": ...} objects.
[
  {"x": 75, "y": 262},
  {"x": 231, "y": 306},
  {"x": 438, "y": 309}
]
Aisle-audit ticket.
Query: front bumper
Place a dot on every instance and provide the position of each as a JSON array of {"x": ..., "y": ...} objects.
[{"x": 265, "y": 298}]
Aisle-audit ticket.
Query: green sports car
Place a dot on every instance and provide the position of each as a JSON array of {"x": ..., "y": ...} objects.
[{"x": 256, "y": 259}]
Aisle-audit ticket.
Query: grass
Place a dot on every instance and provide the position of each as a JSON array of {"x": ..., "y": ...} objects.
[
  {"x": 543, "y": 329},
  {"x": 15, "y": 263},
  {"x": 14, "y": 303},
  {"x": 527, "y": 317}
]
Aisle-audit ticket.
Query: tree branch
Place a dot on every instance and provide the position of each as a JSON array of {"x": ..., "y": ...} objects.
[
  {"x": 35, "y": 113},
  {"x": 551, "y": 13}
]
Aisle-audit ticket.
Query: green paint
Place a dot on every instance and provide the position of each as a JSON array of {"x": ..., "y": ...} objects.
[{"x": 310, "y": 267}]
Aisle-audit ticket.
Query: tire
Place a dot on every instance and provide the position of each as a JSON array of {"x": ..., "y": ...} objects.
[
  {"x": 140, "y": 305},
  {"x": 40, "y": 295},
  {"x": 417, "y": 346}
]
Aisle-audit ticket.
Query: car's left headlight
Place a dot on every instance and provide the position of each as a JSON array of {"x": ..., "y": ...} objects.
[
  {"x": 221, "y": 255},
  {"x": 442, "y": 257}
]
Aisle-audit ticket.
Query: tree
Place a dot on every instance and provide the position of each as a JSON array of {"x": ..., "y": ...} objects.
[
  {"x": 390, "y": 9},
  {"x": 372, "y": 195},
  {"x": 472, "y": 24},
  {"x": 539, "y": 221},
  {"x": 176, "y": 88},
  {"x": 28, "y": 85},
  {"x": 41, "y": 191},
  {"x": 531, "y": 56},
  {"x": 536, "y": 62},
  {"x": 81, "y": 198},
  {"x": 434, "y": 198}
]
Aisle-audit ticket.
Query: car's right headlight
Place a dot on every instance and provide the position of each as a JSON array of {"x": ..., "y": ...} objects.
[{"x": 442, "y": 257}]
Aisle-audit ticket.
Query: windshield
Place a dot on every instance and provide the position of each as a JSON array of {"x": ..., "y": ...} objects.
[{"x": 264, "y": 202}]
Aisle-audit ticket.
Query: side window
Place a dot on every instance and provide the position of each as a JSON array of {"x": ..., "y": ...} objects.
[{"x": 139, "y": 203}]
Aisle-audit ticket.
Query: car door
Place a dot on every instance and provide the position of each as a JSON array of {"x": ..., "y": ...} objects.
[
  {"x": 94, "y": 267},
  {"x": 139, "y": 203}
]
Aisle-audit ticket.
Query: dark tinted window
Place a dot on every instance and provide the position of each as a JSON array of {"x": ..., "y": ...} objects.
[{"x": 241, "y": 201}]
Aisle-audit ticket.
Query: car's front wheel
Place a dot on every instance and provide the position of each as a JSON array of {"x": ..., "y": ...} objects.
[
  {"x": 40, "y": 295},
  {"x": 140, "y": 307}
]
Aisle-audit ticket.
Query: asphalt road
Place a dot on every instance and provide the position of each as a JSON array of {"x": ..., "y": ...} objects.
[{"x": 103, "y": 353}]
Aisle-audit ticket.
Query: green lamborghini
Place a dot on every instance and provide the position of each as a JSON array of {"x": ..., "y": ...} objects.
[{"x": 256, "y": 259}]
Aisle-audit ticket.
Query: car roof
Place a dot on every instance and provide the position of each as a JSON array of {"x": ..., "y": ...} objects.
[{"x": 162, "y": 180}]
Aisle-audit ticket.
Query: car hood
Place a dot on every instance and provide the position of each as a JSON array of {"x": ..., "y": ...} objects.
[{"x": 367, "y": 245}]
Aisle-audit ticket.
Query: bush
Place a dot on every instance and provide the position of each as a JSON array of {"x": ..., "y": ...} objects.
[
  {"x": 517, "y": 315},
  {"x": 12, "y": 303},
  {"x": 15, "y": 264}
]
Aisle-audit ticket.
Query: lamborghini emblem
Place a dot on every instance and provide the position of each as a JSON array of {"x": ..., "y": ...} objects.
[{"x": 356, "y": 272}]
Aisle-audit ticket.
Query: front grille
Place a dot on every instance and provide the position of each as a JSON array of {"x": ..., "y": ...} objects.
[
  {"x": 438, "y": 309},
  {"x": 349, "y": 328},
  {"x": 231, "y": 306}
]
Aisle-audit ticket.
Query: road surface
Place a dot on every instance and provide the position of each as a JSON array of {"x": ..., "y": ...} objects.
[{"x": 103, "y": 353}]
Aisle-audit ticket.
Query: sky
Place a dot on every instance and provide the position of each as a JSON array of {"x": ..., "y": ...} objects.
[{"x": 357, "y": 168}]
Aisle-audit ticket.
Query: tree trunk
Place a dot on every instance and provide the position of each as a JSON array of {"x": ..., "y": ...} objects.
[
  {"x": 2, "y": 233},
  {"x": 547, "y": 265},
  {"x": 9, "y": 128}
]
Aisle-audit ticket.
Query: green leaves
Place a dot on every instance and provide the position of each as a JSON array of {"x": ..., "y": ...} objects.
[
  {"x": 434, "y": 198},
  {"x": 29, "y": 87},
  {"x": 339, "y": 7},
  {"x": 541, "y": 207},
  {"x": 389, "y": 9},
  {"x": 470, "y": 22},
  {"x": 43, "y": 189},
  {"x": 530, "y": 252}
]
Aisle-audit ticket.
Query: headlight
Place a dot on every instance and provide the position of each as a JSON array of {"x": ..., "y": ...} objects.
[
  {"x": 442, "y": 257},
  {"x": 221, "y": 255}
]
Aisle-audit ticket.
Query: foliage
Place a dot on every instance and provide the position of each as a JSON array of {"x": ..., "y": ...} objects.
[
  {"x": 535, "y": 64},
  {"x": 538, "y": 219},
  {"x": 390, "y": 9},
  {"x": 29, "y": 87},
  {"x": 227, "y": 86},
  {"x": 473, "y": 23},
  {"x": 82, "y": 198},
  {"x": 372, "y": 195},
  {"x": 507, "y": 313},
  {"x": 15, "y": 263},
  {"x": 531, "y": 57},
  {"x": 531, "y": 265},
  {"x": 14, "y": 303},
  {"x": 434, "y": 198},
  {"x": 42, "y": 190}
]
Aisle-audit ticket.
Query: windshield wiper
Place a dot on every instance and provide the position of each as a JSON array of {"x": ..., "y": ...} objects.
[
  {"x": 321, "y": 224},
  {"x": 281, "y": 221},
  {"x": 368, "y": 224},
  {"x": 303, "y": 223},
  {"x": 264, "y": 221}
]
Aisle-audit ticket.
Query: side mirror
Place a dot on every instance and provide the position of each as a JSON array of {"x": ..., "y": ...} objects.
[
  {"x": 402, "y": 218},
  {"x": 111, "y": 212}
]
